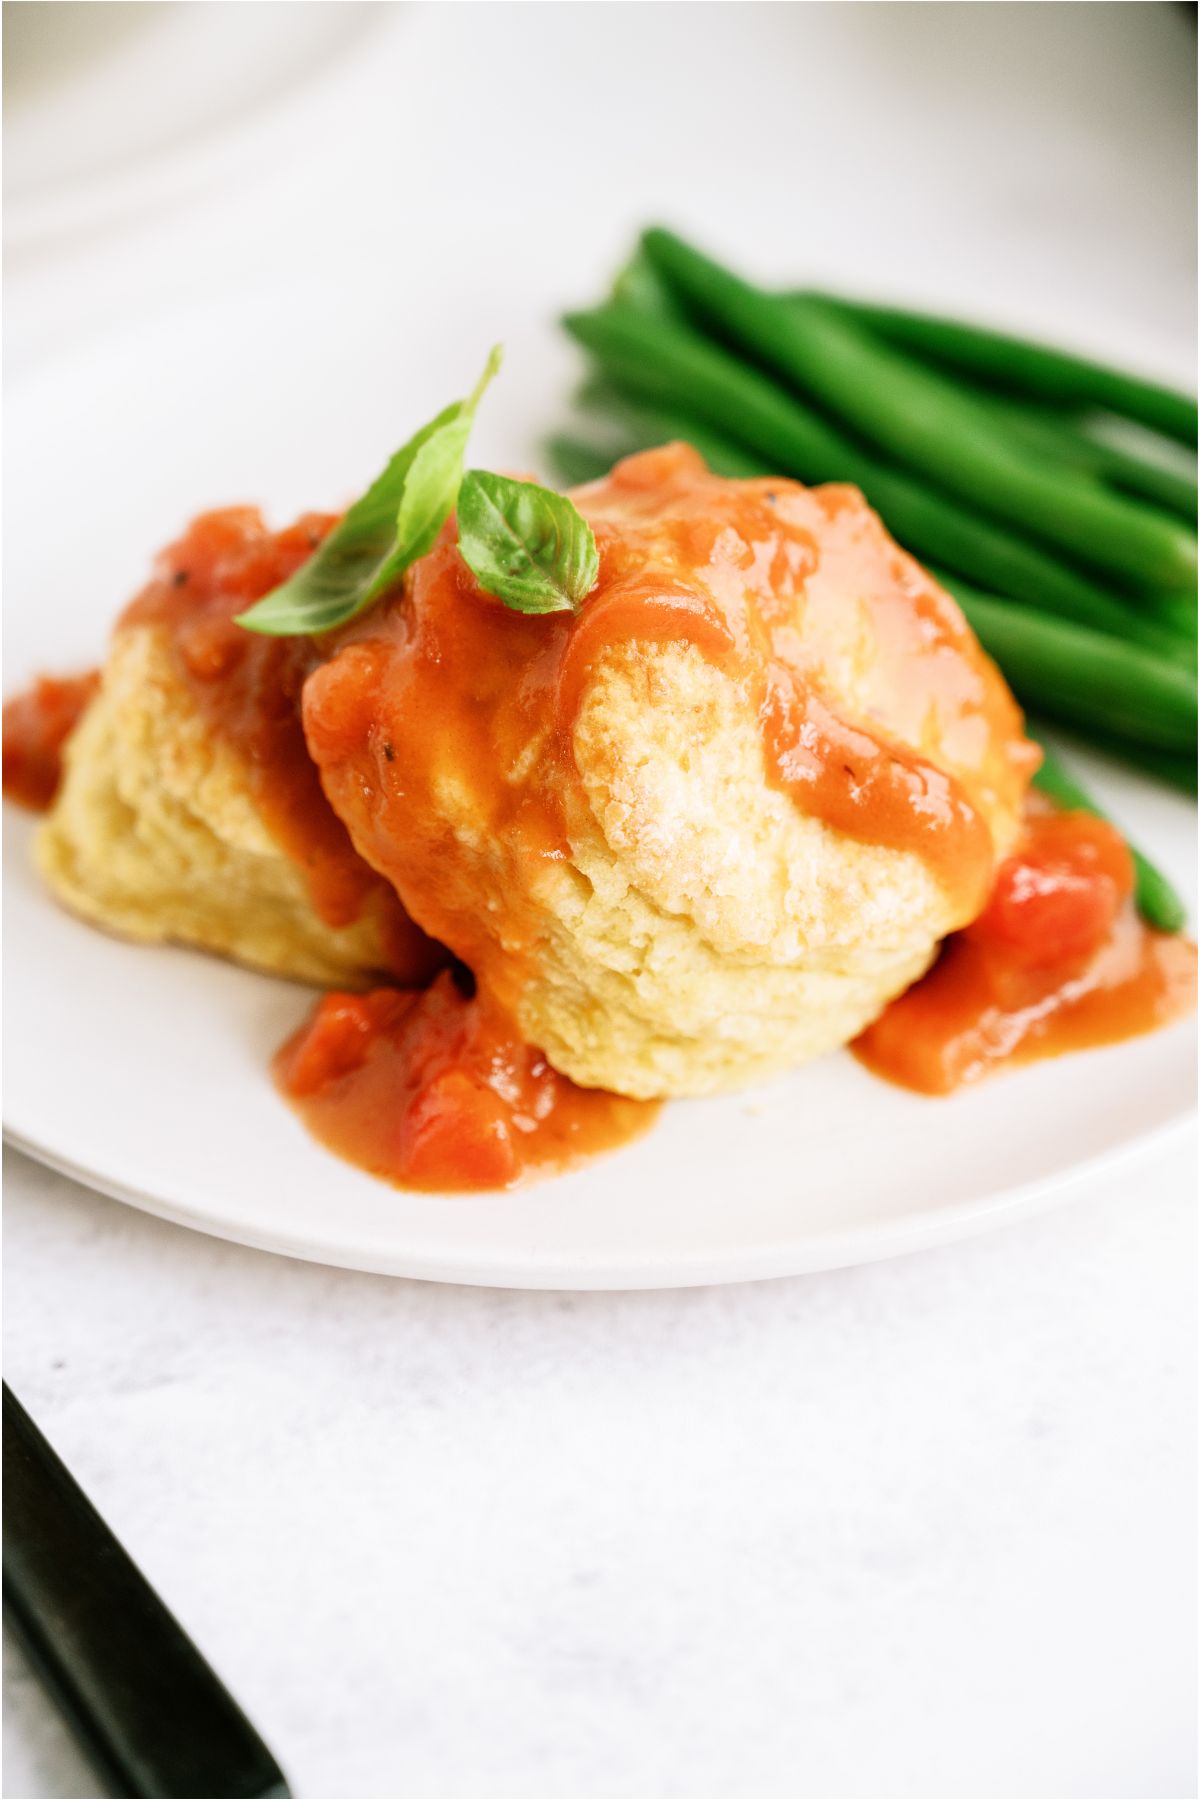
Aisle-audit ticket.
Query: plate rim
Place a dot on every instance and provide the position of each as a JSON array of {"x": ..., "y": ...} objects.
[
  {"x": 764, "y": 1251},
  {"x": 926, "y": 1229}
]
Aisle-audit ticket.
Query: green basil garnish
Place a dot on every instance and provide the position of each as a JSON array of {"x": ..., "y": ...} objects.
[
  {"x": 524, "y": 544},
  {"x": 394, "y": 523}
]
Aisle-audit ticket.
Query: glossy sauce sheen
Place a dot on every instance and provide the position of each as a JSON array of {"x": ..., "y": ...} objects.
[
  {"x": 432, "y": 1090},
  {"x": 443, "y": 690},
  {"x": 1059, "y": 960}
]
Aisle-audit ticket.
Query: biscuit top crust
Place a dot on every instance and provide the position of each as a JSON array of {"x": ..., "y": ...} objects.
[{"x": 443, "y": 723}]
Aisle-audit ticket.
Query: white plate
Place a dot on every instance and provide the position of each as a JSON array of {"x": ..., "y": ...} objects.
[{"x": 145, "y": 1072}]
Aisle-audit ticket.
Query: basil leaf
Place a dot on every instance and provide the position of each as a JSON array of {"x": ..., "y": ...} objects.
[
  {"x": 394, "y": 522},
  {"x": 524, "y": 544}
]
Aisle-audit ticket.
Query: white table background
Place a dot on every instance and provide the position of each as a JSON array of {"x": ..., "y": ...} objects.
[{"x": 924, "y": 1528}]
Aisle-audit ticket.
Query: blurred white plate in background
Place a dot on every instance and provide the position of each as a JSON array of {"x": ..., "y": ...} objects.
[
  {"x": 145, "y": 1072},
  {"x": 110, "y": 107}
]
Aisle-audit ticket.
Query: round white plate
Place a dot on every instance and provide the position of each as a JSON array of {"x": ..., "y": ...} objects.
[{"x": 144, "y": 1072}]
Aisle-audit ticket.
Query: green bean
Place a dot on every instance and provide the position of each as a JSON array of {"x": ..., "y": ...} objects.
[
  {"x": 639, "y": 284},
  {"x": 674, "y": 366},
  {"x": 640, "y": 427},
  {"x": 1064, "y": 437},
  {"x": 645, "y": 424},
  {"x": 1050, "y": 432},
  {"x": 1081, "y": 676},
  {"x": 1036, "y": 370},
  {"x": 1178, "y": 613},
  {"x": 1068, "y": 441},
  {"x": 575, "y": 461},
  {"x": 578, "y": 461},
  {"x": 1172, "y": 489},
  {"x": 1177, "y": 771},
  {"x": 924, "y": 421},
  {"x": 1156, "y": 899},
  {"x": 1174, "y": 768}
]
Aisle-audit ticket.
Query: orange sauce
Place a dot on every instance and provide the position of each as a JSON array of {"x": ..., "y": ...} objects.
[
  {"x": 249, "y": 687},
  {"x": 37, "y": 724},
  {"x": 355, "y": 741},
  {"x": 444, "y": 690},
  {"x": 1059, "y": 960},
  {"x": 433, "y": 1090}
]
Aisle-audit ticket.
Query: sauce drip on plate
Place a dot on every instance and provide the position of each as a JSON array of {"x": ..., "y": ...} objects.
[
  {"x": 431, "y": 1089},
  {"x": 1058, "y": 960},
  {"x": 441, "y": 706}
]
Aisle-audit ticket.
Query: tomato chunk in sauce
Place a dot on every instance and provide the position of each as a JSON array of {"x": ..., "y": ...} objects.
[
  {"x": 430, "y": 1089},
  {"x": 37, "y": 724},
  {"x": 433, "y": 1089},
  {"x": 1058, "y": 960}
]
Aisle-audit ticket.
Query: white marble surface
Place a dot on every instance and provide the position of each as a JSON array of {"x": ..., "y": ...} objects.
[{"x": 924, "y": 1528}]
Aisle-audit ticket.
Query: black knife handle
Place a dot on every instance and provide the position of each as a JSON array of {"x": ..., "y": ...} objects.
[{"x": 146, "y": 1706}]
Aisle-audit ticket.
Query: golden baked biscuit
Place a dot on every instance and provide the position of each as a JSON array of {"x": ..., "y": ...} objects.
[
  {"x": 706, "y": 830},
  {"x": 156, "y": 834}
]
